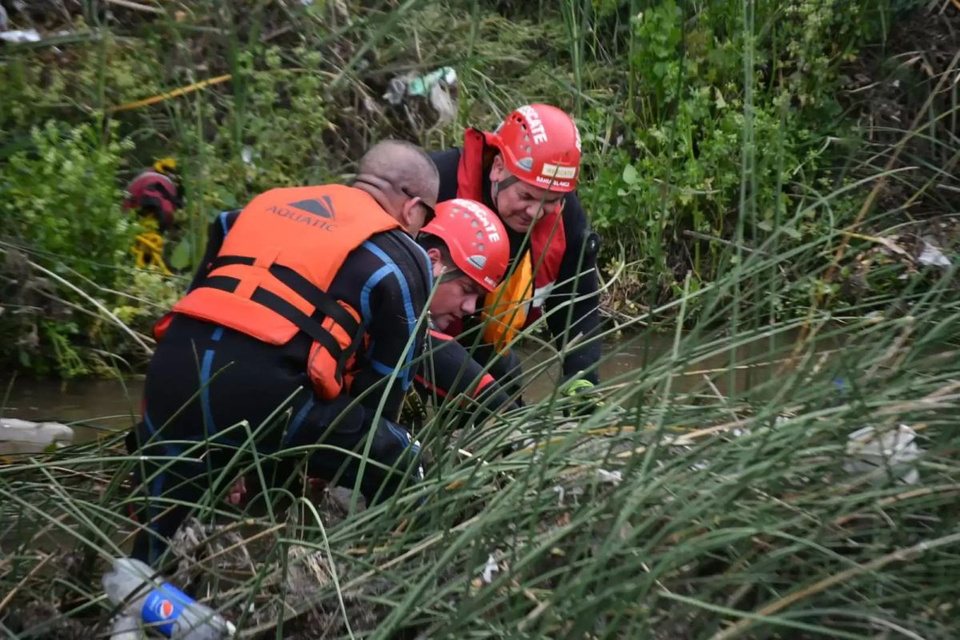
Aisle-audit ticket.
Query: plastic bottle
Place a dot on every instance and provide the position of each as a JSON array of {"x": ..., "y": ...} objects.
[
  {"x": 126, "y": 627},
  {"x": 161, "y": 605}
]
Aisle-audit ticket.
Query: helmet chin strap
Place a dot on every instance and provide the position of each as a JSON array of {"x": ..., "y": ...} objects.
[
  {"x": 447, "y": 276},
  {"x": 497, "y": 185}
]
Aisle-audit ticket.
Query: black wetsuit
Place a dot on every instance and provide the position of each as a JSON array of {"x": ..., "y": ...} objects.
[
  {"x": 448, "y": 372},
  {"x": 204, "y": 380}
]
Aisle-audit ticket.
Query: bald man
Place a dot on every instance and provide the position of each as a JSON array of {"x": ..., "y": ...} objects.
[{"x": 306, "y": 293}]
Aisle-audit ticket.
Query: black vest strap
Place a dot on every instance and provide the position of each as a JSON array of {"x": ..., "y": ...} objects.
[{"x": 325, "y": 306}]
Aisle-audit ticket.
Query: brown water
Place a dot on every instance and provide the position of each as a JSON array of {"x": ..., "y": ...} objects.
[
  {"x": 115, "y": 404},
  {"x": 104, "y": 404}
]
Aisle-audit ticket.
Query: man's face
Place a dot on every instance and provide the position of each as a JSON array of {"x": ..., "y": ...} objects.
[
  {"x": 520, "y": 205},
  {"x": 454, "y": 298}
]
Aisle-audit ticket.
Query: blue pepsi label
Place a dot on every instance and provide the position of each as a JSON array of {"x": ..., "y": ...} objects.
[{"x": 163, "y": 606}]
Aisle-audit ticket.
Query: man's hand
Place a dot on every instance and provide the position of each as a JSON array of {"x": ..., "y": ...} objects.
[{"x": 583, "y": 398}]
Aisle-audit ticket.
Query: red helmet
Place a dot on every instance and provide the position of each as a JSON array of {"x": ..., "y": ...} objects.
[
  {"x": 156, "y": 193},
  {"x": 476, "y": 238},
  {"x": 541, "y": 146}
]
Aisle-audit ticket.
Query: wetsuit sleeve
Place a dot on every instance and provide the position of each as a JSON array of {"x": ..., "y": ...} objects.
[
  {"x": 577, "y": 281},
  {"x": 392, "y": 301},
  {"x": 216, "y": 233},
  {"x": 449, "y": 371}
]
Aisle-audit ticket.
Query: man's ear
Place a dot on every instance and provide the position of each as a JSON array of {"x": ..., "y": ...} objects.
[
  {"x": 406, "y": 214},
  {"x": 436, "y": 261},
  {"x": 497, "y": 168}
]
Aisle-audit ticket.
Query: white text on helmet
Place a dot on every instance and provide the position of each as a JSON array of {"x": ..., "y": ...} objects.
[
  {"x": 551, "y": 183},
  {"x": 533, "y": 120},
  {"x": 492, "y": 234}
]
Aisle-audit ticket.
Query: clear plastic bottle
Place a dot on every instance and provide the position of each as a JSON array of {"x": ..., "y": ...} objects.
[
  {"x": 161, "y": 605},
  {"x": 126, "y": 627}
]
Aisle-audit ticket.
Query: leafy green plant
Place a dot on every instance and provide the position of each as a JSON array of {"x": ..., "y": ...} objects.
[{"x": 60, "y": 204}]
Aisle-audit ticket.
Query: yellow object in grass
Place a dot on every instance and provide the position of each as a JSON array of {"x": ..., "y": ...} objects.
[{"x": 148, "y": 250}]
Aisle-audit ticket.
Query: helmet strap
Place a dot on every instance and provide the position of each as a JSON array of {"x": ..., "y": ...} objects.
[
  {"x": 506, "y": 183},
  {"x": 447, "y": 276}
]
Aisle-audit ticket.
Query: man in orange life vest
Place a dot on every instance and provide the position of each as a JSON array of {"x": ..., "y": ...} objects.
[
  {"x": 308, "y": 302},
  {"x": 527, "y": 172}
]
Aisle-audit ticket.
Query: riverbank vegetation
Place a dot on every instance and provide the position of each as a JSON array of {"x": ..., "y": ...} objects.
[
  {"x": 776, "y": 184},
  {"x": 711, "y": 130}
]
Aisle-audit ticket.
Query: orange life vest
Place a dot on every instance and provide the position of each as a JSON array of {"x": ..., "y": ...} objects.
[
  {"x": 271, "y": 276},
  {"x": 513, "y": 304}
]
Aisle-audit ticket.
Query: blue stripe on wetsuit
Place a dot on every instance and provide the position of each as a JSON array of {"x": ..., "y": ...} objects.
[
  {"x": 205, "y": 383},
  {"x": 155, "y": 487},
  {"x": 390, "y": 267},
  {"x": 367, "y": 313},
  {"x": 223, "y": 222}
]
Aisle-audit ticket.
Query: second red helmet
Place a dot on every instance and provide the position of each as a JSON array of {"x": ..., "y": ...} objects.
[{"x": 476, "y": 239}]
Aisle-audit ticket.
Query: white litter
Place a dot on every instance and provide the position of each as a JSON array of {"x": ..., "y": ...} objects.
[
  {"x": 877, "y": 454},
  {"x": 490, "y": 569},
  {"x": 609, "y": 477},
  {"x": 126, "y": 628},
  {"x": 932, "y": 256},
  {"x": 24, "y": 436},
  {"x": 23, "y": 35}
]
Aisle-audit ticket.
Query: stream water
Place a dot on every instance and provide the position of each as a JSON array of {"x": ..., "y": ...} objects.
[{"x": 115, "y": 404}]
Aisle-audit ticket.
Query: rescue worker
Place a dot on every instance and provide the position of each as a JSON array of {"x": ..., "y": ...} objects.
[
  {"x": 294, "y": 325},
  {"x": 447, "y": 370},
  {"x": 527, "y": 171},
  {"x": 155, "y": 196}
]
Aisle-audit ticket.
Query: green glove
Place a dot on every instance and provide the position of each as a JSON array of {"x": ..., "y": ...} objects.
[
  {"x": 583, "y": 399},
  {"x": 577, "y": 387}
]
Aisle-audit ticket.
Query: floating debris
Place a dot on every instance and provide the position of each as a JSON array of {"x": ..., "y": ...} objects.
[{"x": 24, "y": 436}]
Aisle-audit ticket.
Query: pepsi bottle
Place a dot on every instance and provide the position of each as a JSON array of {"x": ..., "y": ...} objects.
[{"x": 159, "y": 605}]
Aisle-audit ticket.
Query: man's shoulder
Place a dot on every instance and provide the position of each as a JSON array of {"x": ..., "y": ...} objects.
[
  {"x": 447, "y": 162},
  {"x": 395, "y": 244},
  {"x": 445, "y": 157},
  {"x": 396, "y": 247},
  {"x": 574, "y": 217}
]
